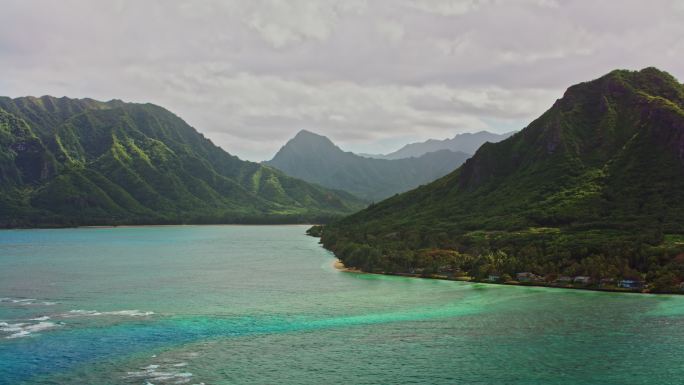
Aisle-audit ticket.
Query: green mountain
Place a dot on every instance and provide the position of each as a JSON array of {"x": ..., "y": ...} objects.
[
  {"x": 80, "y": 161},
  {"x": 466, "y": 142},
  {"x": 595, "y": 186},
  {"x": 314, "y": 158}
]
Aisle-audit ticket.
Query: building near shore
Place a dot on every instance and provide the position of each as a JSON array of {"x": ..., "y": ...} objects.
[
  {"x": 528, "y": 277},
  {"x": 493, "y": 278},
  {"x": 630, "y": 284},
  {"x": 582, "y": 279}
]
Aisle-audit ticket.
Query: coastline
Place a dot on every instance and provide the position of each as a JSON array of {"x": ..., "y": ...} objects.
[
  {"x": 154, "y": 225},
  {"x": 193, "y": 224},
  {"x": 339, "y": 266}
]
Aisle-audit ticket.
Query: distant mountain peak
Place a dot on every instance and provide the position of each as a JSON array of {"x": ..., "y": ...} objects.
[
  {"x": 466, "y": 142},
  {"x": 307, "y": 142},
  {"x": 305, "y": 132},
  {"x": 309, "y": 137},
  {"x": 315, "y": 158}
]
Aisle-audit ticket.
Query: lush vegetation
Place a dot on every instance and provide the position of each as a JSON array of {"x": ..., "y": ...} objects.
[
  {"x": 594, "y": 187},
  {"x": 314, "y": 158},
  {"x": 79, "y": 161}
]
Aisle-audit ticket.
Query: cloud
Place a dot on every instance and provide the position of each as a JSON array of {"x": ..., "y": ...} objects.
[
  {"x": 268, "y": 110},
  {"x": 283, "y": 23},
  {"x": 393, "y": 31},
  {"x": 369, "y": 74},
  {"x": 445, "y": 7}
]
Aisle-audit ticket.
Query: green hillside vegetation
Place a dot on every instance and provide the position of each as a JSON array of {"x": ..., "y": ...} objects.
[
  {"x": 593, "y": 187},
  {"x": 314, "y": 158},
  {"x": 84, "y": 162}
]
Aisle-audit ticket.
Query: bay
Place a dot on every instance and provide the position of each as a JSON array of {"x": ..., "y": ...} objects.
[{"x": 263, "y": 305}]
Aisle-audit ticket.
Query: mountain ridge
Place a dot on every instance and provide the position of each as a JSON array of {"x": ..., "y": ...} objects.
[
  {"x": 81, "y": 161},
  {"x": 316, "y": 159},
  {"x": 594, "y": 186},
  {"x": 465, "y": 142}
]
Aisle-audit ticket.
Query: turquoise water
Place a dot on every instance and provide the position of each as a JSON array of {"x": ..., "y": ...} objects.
[{"x": 263, "y": 305}]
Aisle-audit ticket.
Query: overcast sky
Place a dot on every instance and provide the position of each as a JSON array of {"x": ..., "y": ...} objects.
[{"x": 372, "y": 75}]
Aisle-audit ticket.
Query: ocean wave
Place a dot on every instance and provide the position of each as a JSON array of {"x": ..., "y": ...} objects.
[
  {"x": 162, "y": 374},
  {"x": 17, "y": 300},
  {"x": 25, "y": 301},
  {"x": 93, "y": 313},
  {"x": 23, "y": 329}
]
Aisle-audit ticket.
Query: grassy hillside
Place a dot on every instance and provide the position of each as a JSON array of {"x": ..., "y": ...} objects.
[
  {"x": 595, "y": 186},
  {"x": 80, "y": 161},
  {"x": 316, "y": 159}
]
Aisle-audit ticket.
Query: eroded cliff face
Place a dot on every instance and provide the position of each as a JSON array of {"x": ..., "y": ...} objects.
[
  {"x": 666, "y": 125},
  {"x": 23, "y": 157},
  {"x": 35, "y": 163}
]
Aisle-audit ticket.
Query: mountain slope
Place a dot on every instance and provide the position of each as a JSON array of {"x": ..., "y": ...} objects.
[
  {"x": 595, "y": 186},
  {"x": 467, "y": 143},
  {"x": 316, "y": 159},
  {"x": 80, "y": 161}
]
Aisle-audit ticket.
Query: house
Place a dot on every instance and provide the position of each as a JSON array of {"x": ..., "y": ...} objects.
[
  {"x": 528, "y": 277},
  {"x": 681, "y": 286},
  {"x": 582, "y": 279},
  {"x": 630, "y": 284},
  {"x": 564, "y": 279},
  {"x": 607, "y": 281},
  {"x": 493, "y": 278}
]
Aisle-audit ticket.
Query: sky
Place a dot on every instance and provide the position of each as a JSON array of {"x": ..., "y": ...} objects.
[{"x": 371, "y": 75}]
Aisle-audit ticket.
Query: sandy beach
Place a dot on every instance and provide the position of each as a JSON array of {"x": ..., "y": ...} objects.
[{"x": 338, "y": 265}]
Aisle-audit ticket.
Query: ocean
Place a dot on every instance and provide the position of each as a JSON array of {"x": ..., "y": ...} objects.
[{"x": 264, "y": 305}]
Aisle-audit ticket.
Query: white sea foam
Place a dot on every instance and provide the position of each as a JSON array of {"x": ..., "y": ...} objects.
[
  {"x": 77, "y": 313},
  {"x": 132, "y": 313},
  {"x": 18, "y": 301},
  {"x": 162, "y": 374},
  {"x": 23, "y": 329},
  {"x": 93, "y": 313},
  {"x": 175, "y": 377},
  {"x": 8, "y": 327},
  {"x": 25, "y": 301},
  {"x": 43, "y": 318},
  {"x": 23, "y": 333}
]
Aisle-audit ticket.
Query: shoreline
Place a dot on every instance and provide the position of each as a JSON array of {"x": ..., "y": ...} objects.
[
  {"x": 339, "y": 266},
  {"x": 189, "y": 225},
  {"x": 160, "y": 225}
]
